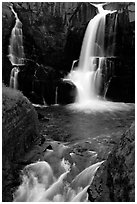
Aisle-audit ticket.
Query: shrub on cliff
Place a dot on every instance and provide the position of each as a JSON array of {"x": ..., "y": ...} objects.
[{"x": 11, "y": 98}]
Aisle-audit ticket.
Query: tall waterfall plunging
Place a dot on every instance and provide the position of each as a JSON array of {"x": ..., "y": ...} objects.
[
  {"x": 87, "y": 76},
  {"x": 16, "y": 51}
]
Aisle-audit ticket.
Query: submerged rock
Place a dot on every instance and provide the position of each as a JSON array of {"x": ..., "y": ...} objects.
[{"x": 115, "y": 180}]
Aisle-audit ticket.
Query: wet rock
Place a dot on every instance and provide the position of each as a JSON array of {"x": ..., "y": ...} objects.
[
  {"x": 49, "y": 147},
  {"x": 42, "y": 140},
  {"x": 42, "y": 117},
  {"x": 66, "y": 92},
  {"x": 115, "y": 180}
]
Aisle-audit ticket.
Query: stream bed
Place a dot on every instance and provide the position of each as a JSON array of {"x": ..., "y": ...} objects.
[{"x": 73, "y": 140}]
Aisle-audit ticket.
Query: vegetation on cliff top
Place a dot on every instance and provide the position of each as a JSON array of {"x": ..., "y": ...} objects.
[{"x": 11, "y": 98}]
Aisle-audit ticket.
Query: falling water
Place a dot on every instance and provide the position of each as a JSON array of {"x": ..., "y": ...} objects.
[
  {"x": 44, "y": 102},
  {"x": 14, "y": 78},
  {"x": 16, "y": 51},
  {"x": 56, "y": 96},
  {"x": 39, "y": 184},
  {"x": 87, "y": 76}
]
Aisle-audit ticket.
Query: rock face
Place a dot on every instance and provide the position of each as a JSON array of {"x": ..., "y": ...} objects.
[
  {"x": 19, "y": 131},
  {"x": 38, "y": 83},
  {"x": 115, "y": 180}
]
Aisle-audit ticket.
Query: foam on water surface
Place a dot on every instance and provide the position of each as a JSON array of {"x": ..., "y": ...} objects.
[{"x": 96, "y": 106}]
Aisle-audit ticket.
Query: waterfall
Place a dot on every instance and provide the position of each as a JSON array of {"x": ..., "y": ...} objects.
[
  {"x": 14, "y": 78},
  {"x": 39, "y": 184},
  {"x": 87, "y": 76},
  {"x": 16, "y": 51}
]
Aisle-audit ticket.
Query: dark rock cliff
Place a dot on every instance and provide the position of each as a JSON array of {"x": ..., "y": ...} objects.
[{"x": 115, "y": 180}]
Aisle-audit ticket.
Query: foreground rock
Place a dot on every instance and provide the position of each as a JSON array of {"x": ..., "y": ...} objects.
[
  {"x": 19, "y": 131},
  {"x": 115, "y": 180}
]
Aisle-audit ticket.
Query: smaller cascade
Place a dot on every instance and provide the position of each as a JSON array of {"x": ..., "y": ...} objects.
[
  {"x": 16, "y": 49},
  {"x": 44, "y": 102},
  {"x": 56, "y": 96},
  {"x": 14, "y": 78},
  {"x": 106, "y": 87}
]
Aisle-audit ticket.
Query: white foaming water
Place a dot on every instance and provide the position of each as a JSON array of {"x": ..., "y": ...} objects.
[
  {"x": 39, "y": 184},
  {"x": 87, "y": 76},
  {"x": 40, "y": 106},
  {"x": 94, "y": 106}
]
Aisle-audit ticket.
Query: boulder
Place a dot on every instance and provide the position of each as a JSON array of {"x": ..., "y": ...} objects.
[
  {"x": 19, "y": 131},
  {"x": 115, "y": 180},
  {"x": 66, "y": 92}
]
